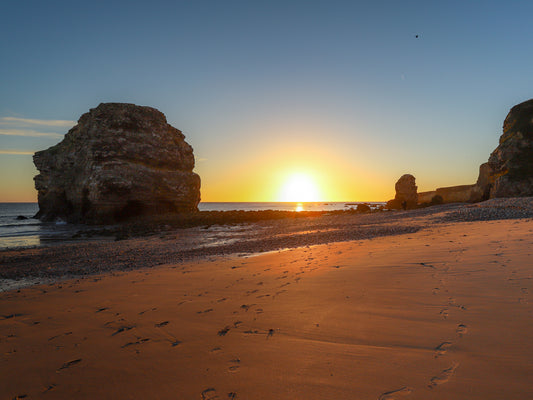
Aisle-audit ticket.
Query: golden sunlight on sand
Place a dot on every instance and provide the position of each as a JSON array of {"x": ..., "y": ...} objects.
[{"x": 443, "y": 313}]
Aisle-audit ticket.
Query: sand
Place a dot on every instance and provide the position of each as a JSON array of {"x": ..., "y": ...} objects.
[{"x": 442, "y": 313}]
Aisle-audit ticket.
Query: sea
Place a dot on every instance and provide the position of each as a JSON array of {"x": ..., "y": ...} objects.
[{"x": 18, "y": 228}]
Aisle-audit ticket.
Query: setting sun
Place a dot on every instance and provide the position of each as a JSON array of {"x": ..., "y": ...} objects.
[{"x": 299, "y": 187}]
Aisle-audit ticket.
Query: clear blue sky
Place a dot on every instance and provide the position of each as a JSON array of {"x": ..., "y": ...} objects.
[{"x": 342, "y": 89}]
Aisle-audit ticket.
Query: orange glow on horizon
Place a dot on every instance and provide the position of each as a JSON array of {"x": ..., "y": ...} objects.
[
  {"x": 266, "y": 168},
  {"x": 290, "y": 176}
]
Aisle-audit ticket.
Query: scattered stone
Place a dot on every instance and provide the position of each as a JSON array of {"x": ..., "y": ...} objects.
[
  {"x": 363, "y": 208},
  {"x": 84, "y": 258}
]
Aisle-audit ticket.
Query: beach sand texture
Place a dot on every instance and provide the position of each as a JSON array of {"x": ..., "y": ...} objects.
[{"x": 443, "y": 313}]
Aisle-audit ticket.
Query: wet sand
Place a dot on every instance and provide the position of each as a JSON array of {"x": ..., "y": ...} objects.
[{"x": 443, "y": 313}]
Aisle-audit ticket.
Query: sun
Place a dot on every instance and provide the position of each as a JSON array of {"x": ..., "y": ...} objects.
[{"x": 299, "y": 187}]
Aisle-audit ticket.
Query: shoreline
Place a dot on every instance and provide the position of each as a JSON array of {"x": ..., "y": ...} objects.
[
  {"x": 20, "y": 230},
  {"x": 163, "y": 243}
]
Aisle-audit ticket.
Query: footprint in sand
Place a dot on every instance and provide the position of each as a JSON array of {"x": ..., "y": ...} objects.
[
  {"x": 396, "y": 394},
  {"x": 461, "y": 330},
  {"x": 8, "y": 316},
  {"x": 453, "y": 303},
  {"x": 442, "y": 348},
  {"x": 443, "y": 377},
  {"x": 223, "y": 331},
  {"x": 123, "y": 328},
  {"x": 234, "y": 365},
  {"x": 142, "y": 312},
  {"x": 444, "y": 313},
  {"x": 209, "y": 394},
  {"x": 69, "y": 364},
  {"x": 49, "y": 388},
  {"x": 246, "y": 307},
  {"x": 138, "y": 341}
]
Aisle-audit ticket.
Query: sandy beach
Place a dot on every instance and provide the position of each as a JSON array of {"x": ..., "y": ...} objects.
[{"x": 431, "y": 304}]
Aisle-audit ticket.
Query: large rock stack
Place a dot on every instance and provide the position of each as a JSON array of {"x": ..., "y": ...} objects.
[
  {"x": 511, "y": 163},
  {"x": 119, "y": 161}
]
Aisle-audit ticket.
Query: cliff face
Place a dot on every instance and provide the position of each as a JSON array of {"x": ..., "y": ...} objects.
[
  {"x": 509, "y": 171},
  {"x": 119, "y": 161},
  {"x": 511, "y": 163}
]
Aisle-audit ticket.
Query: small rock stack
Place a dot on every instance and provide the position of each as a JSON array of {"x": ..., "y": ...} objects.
[{"x": 406, "y": 193}]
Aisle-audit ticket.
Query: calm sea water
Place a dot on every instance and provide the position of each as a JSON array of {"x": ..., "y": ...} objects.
[{"x": 17, "y": 232}]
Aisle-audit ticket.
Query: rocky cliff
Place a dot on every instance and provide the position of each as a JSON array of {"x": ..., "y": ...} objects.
[
  {"x": 511, "y": 163},
  {"x": 119, "y": 161},
  {"x": 509, "y": 171}
]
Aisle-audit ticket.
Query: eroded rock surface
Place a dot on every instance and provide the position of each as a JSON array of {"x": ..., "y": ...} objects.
[
  {"x": 511, "y": 163},
  {"x": 406, "y": 193},
  {"x": 509, "y": 171},
  {"x": 119, "y": 161}
]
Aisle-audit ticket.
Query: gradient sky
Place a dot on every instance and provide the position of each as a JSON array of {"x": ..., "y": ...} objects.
[{"x": 342, "y": 91}]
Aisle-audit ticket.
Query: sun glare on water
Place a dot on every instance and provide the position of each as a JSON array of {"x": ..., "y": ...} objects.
[{"x": 299, "y": 187}]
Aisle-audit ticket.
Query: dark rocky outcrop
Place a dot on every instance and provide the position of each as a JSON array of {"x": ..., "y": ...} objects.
[
  {"x": 511, "y": 163},
  {"x": 363, "y": 208},
  {"x": 406, "y": 193},
  {"x": 119, "y": 161},
  {"x": 509, "y": 171}
]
